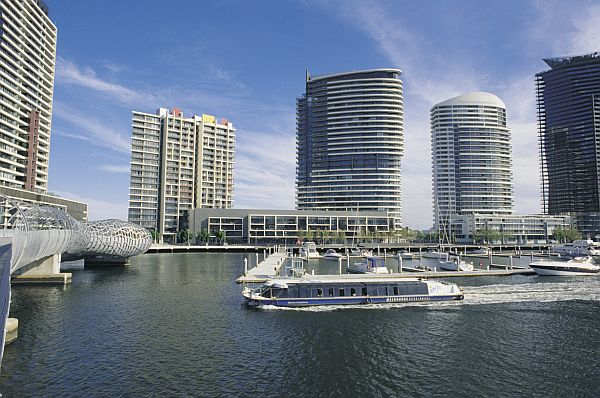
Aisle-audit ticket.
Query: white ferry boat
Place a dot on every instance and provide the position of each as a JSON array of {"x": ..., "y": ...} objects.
[
  {"x": 348, "y": 289},
  {"x": 309, "y": 250},
  {"x": 371, "y": 265},
  {"x": 576, "y": 266}
]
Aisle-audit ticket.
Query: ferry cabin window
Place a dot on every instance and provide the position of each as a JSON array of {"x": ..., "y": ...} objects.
[
  {"x": 330, "y": 292},
  {"x": 364, "y": 291},
  {"x": 387, "y": 291},
  {"x": 267, "y": 293},
  {"x": 352, "y": 291},
  {"x": 319, "y": 292},
  {"x": 396, "y": 292},
  {"x": 342, "y": 292}
]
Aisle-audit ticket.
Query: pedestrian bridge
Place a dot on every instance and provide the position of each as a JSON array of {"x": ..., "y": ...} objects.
[{"x": 31, "y": 236}]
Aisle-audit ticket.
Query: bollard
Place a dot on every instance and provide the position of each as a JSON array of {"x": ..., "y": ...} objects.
[
  {"x": 245, "y": 266},
  {"x": 313, "y": 271},
  {"x": 347, "y": 260},
  {"x": 256, "y": 259},
  {"x": 384, "y": 254},
  {"x": 264, "y": 253},
  {"x": 340, "y": 265},
  {"x": 378, "y": 252},
  {"x": 400, "y": 262}
]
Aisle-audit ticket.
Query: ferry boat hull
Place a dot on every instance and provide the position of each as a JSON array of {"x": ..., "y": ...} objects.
[{"x": 351, "y": 301}]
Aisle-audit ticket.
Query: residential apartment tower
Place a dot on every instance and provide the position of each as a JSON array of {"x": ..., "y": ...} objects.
[
  {"x": 27, "y": 60},
  {"x": 178, "y": 163},
  {"x": 350, "y": 142},
  {"x": 568, "y": 102},
  {"x": 471, "y": 158}
]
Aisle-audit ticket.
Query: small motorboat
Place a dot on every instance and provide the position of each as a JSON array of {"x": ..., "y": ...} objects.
[
  {"x": 576, "y": 266},
  {"x": 309, "y": 250},
  {"x": 358, "y": 252},
  {"x": 407, "y": 255},
  {"x": 455, "y": 263},
  {"x": 433, "y": 254},
  {"x": 331, "y": 254},
  {"x": 371, "y": 265}
]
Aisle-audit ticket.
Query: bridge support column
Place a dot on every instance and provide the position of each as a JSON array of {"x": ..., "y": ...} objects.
[
  {"x": 11, "y": 330},
  {"x": 45, "y": 271}
]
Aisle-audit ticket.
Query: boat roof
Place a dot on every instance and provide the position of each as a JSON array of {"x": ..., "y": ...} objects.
[{"x": 334, "y": 279}]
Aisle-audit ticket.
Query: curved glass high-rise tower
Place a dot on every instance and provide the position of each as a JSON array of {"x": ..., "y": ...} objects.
[
  {"x": 471, "y": 157},
  {"x": 350, "y": 142}
]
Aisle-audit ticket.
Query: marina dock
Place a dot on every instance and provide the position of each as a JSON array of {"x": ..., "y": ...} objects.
[{"x": 266, "y": 269}]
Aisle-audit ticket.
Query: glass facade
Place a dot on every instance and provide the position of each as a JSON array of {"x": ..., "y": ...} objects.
[{"x": 568, "y": 98}]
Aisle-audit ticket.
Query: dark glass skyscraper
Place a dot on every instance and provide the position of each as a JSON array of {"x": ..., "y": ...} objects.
[
  {"x": 350, "y": 132},
  {"x": 568, "y": 99}
]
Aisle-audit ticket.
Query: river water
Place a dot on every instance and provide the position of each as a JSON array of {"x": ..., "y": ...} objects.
[{"x": 173, "y": 325}]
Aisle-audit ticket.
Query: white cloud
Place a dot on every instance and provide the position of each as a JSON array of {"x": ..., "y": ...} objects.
[
  {"x": 98, "y": 209},
  {"x": 69, "y": 73},
  {"x": 98, "y": 133},
  {"x": 265, "y": 169},
  {"x": 120, "y": 169}
]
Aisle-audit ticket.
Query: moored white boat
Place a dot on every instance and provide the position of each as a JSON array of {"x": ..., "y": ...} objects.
[
  {"x": 348, "y": 289},
  {"x": 371, "y": 265},
  {"x": 407, "y": 255},
  {"x": 433, "y": 254},
  {"x": 578, "y": 248},
  {"x": 455, "y": 263},
  {"x": 576, "y": 266},
  {"x": 331, "y": 254},
  {"x": 309, "y": 250}
]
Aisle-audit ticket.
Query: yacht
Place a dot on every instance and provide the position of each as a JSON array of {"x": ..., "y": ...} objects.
[
  {"x": 360, "y": 252},
  {"x": 579, "y": 248},
  {"x": 406, "y": 255},
  {"x": 371, "y": 265},
  {"x": 433, "y": 254},
  {"x": 309, "y": 250},
  {"x": 331, "y": 254},
  {"x": 454, "y": 263},
  {"x": 576, "y": 266},
  {"x": 481, "y": 250},
  {"x": 348, "y": 289}
]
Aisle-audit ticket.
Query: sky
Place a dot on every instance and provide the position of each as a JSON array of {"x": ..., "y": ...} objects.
[{"x": 246, "y": 61}]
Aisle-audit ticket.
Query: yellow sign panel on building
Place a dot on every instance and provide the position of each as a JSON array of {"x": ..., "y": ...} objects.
[{"x": 208, "y": 119}]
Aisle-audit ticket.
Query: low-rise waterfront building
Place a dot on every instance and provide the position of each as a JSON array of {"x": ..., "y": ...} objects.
[
  {"x": 288, "y": 226},
  {"x": 77, "y": 210},
  {"x": 507, "y": 229}
]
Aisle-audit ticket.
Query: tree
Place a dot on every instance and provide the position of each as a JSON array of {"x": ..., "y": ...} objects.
[
  {"x": 184, "y": 235},
  {"x": 155, "y": 235},
  {"x": 220, "y": 235}
]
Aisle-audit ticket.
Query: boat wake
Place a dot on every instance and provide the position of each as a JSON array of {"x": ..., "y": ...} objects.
[{"x": 575, "y": 289}]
